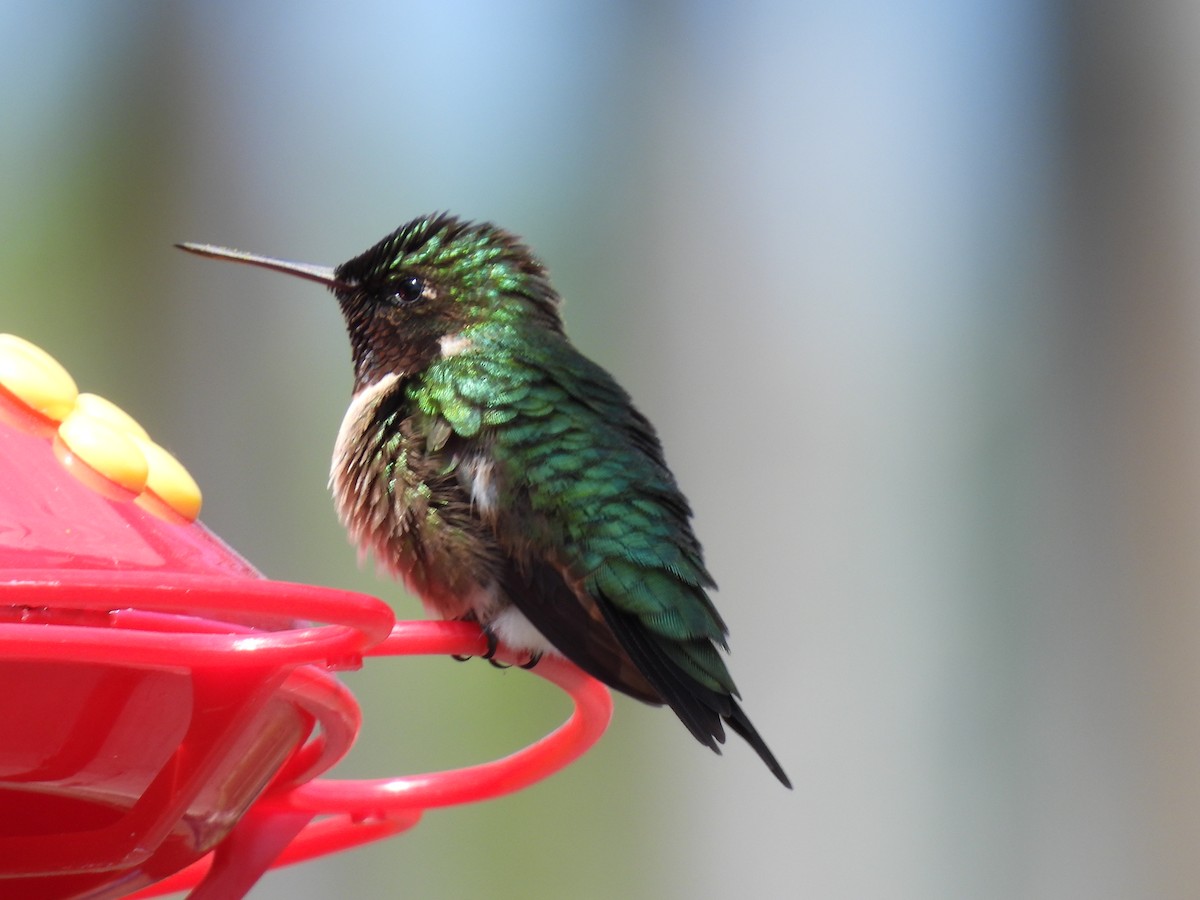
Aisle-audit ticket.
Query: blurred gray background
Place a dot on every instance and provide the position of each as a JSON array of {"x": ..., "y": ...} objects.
[{"x": 912, "y": 292}]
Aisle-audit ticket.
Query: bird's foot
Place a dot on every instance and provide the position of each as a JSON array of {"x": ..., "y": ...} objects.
[{"x": 493, "y": 644}]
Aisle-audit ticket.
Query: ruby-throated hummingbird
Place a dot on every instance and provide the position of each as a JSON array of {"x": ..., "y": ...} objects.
[{"x": 508, "y": 479}]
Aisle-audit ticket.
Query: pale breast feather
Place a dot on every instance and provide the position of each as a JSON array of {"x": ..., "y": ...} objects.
[{"x": 477, "y": 472}]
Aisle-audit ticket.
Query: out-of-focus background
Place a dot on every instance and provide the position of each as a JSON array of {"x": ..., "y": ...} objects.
[{"x": 912, "y": 292}]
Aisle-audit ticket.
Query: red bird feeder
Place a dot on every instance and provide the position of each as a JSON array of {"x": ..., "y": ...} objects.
[{"x": 166, "y": 711}]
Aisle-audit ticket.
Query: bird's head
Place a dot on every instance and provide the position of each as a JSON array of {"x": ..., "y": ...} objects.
[{"x": 421, "y": 291}]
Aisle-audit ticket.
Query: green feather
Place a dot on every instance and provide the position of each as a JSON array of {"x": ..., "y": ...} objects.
[{"x": 582, "y": 482}]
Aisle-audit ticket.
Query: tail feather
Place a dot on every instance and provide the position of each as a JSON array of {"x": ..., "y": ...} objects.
[
  {"x": 700, "y": 708},
  {"x": 739, "y": 722},
  {"x": 630, "y": 658}
]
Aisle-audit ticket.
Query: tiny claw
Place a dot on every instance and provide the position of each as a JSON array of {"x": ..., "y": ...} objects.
[
  {"x": 496, "y": 664},
  {"x": 493, "y": 644},
  {"x": 534, "y": 659}
]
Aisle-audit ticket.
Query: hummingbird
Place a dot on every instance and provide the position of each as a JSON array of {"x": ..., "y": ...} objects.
[{"x": 508, "y": 480}]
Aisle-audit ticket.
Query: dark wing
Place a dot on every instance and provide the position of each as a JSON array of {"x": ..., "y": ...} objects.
[
  {"x": 604, "y": 560},
  {"x": 579, "y": 631}
]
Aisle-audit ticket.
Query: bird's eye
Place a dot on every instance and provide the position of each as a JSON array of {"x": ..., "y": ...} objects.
[{"x": 409, "y": 290}]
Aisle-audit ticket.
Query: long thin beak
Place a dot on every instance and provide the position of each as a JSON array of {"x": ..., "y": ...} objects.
[{"x": 320, "y": 274}]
